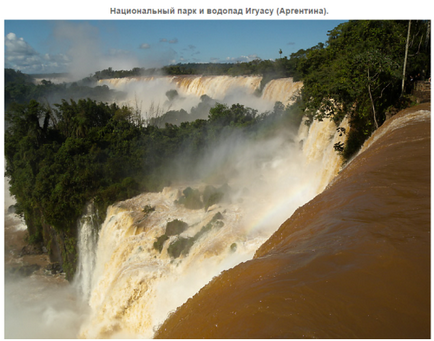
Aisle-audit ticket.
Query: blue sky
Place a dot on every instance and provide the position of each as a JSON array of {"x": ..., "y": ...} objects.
[{"x": 83, "y": 47}]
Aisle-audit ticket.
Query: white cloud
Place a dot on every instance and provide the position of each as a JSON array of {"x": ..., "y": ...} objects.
[
  {"x": 19, "y": 55},
  {"x": 80, "y": 52},
  {"x": 144, "y": 46},
  {"x": 17, "y": 46},
  {"x": 240, "y": 59}
]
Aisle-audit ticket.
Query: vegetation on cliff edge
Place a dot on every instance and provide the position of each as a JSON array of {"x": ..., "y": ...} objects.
[
  {"x": 61, "y": 156},
  {"x": 359, "y": 72}
]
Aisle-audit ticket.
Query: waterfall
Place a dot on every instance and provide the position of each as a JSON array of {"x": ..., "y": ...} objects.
[
  {"x": 282, "y": 90},
  {"x": 217, "y": 87},
  {"x": 225, "y": 89},
  {"x": 135, "y": 273},
  {"x": 353, "y": 262},
  {"x": 318, "y": 147},
  {"x": 134, "y": 284},
  {"x": 87, "y": 243},
  {"x": 147, "y": 94}
]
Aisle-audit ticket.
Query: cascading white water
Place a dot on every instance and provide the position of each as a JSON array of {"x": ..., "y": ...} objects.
[
  {"x": 217, "y": 87},
  {"x": 282, "y": 90},
  {"x": 318, "y": 147},
  {"x": 129, "y": 286},
  {"x": 225, "y": 89},
  {"x": 147, "y": 94},
  {"x": 135, "y": 286},
  {"x": 87, "y": 243}
]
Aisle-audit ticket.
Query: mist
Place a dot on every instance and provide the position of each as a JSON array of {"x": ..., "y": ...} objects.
[
  {"x": 148, "y": 94},
  {"x": 38, "y": 308},
  {"x": 267, "y": 176},
  {"x": 129, "y": 288},
  {"x": 84, "y": 50},
  {"x": 135, "y": 287}
]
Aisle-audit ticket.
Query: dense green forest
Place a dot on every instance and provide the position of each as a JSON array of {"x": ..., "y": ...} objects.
[
  {"x": 65, "y": 145},
  {"x": 60, "y": 158},
  {"x": 359, "y": 72},
  {"x": 21, "y": 88},
  {"x": 282, "y": 67}
]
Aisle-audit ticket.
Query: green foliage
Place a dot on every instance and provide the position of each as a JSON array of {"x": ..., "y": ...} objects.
[
  {"x": 190, "y": 199},
  {"x": 60, "y": 157},
  {"x": 148, "y": 209},
  {"x": 177, "y": 117},
  {"x": 159, "y": 243},
  {"x": 224, "y": 120},
  {"x": 217, "y": 216},
  {"x": 172, "y": 95},
  {"x": 20, "y": 88},
  {"x": 57, "y": 160},
  {"x": 180, "y": 247},
  {"x": 110, "y": 73},
  {"x": 359, "y": 72},
  {"x": 35, "y": 238},
  {"x": 211, "y": 196},
  {"x": 69, "y": 256},
  {"x": 171, "y": 117},
  {"x": 175, "y": 227},
  {"x": 279, "y": 68}
]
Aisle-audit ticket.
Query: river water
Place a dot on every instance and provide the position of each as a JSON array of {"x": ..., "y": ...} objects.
[{"x": 352, "y": 263}]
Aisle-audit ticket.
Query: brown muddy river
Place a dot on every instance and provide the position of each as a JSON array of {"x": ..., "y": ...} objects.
[{"x": 352, "y": 263}]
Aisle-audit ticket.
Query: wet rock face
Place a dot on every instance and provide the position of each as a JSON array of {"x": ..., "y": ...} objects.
[
  {"x": 61, "y": 248},
  {"x": 32, "y": 249},
  {"x": 54, "y": 268}
]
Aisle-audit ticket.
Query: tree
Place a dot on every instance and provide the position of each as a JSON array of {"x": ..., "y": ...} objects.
[
  {"x": 375, "y": 72},
  {"x": 357, "y": 72}
]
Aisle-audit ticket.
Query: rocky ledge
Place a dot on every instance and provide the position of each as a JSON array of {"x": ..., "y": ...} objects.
[{"x": 23, "y": 259}]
